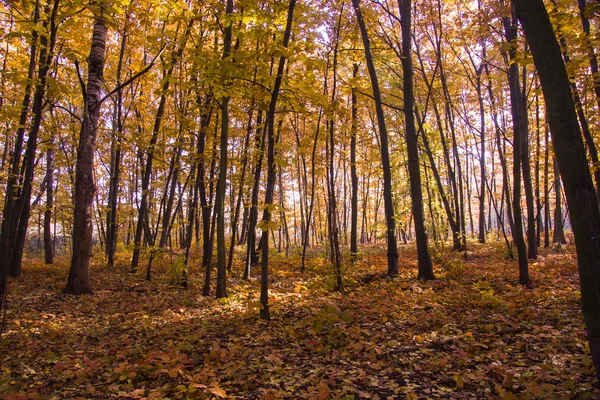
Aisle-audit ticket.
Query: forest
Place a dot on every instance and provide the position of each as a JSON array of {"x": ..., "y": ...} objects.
[{"x": 320, "y": 199}]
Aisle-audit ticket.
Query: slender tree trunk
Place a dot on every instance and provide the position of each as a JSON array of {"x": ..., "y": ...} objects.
[
  {"x": 392, "y": 253},
  {"x": 220, "y": 194},
  {"x": 20, "y": 212},
  {"x": 482, "y": 127},
  {"x": 546, "y": 188},
  {"x": 353, "y": 174},
  {"x": 208, "y": 216},
  {"x": 12, "y": 190},
  {"x": 115, "y": 165},
  {"x": 334, "y": 226},
  {"x": 170, "y": 200},
  {"x": 538, "y": 202},
  {"x": 251, "y": 258},
  {"x": 264, "y": 286},
  {"x": 48, "y": 248},
  {"x": 519, "y": 129},
  {"x": 144, "y": 203},
  {"x": 559, "y": 230},
  {"x": 310, "y": 217}
]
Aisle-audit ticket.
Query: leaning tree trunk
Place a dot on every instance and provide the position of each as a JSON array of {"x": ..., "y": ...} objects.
[
  {"x": 20, "y": 213},
  {"x": 264, "y": 286},
  {"x": 79, "y": 274},
  {"x": 519, "y": 128},
  {"x": 571, "y": 157},
  {"x": 11, "y": 193},
  {"x": 392, "y": 253}
]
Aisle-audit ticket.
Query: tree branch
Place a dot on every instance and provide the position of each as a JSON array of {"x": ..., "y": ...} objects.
[{"x": 134, "y": 77}]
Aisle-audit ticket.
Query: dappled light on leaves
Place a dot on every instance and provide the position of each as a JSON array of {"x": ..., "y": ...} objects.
[{"x": 466, "y": 334}]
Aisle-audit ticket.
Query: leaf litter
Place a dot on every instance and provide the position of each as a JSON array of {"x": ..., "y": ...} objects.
[{"x": 473, "y": 333}]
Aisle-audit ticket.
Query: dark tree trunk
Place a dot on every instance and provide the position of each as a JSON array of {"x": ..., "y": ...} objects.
[
  {"x": 353, "y": 174},
  {"x": 546, "y": 188},
  {"x": 585, "y": 129},
  {"x": 20, "y": 208},
  {"x": 170, "y": 200},
  {"x": 240, "y": 194},
  {"x": 424, "y": 260},
  {"x": 48, "y": 248},
  {"x": 585, "y": 22},
  {"x": 12, "y": 190},
  {"x": 79, "y": 274},
  {"x": 392, "y": 253},
  {"x": 144, "y": 203},
  {"x": 571, "y": 158},
  {"x": 115, "y": 165},
  {"x": 519, "y": 128},
  {"x": 333, "y": 225},
  {"x": 251, "y": 258},
  {"x": 311, "y": 206},
  {"x": 264, "y": 286},
  {"x": 220, "y": 194}
]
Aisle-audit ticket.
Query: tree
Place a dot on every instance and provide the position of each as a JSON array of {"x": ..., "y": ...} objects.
[
  {"x": 520, "y": 131},
  {"x": 571, "y": 157},
  {"x": 220, "y": 195},
  {"x": 392, "y": 253},
  {"x": 79, "y": 274},
  {"x": 269, "y": 194},
  {"x": 416, "y": 194}
]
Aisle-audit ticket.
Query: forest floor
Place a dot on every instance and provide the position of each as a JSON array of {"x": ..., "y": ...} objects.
[{"x": 473, "y": 333}]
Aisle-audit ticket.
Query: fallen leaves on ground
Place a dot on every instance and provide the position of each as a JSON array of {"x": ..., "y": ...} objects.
[{"x": 473, "y": 333}]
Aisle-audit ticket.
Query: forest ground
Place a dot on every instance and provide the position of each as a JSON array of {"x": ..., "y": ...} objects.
[{"x": 473, "y": 333}]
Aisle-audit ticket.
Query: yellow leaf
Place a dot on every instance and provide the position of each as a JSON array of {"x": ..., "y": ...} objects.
[
  {"x": 217, "y": 391},
  {"x": 460, "y": 383}
]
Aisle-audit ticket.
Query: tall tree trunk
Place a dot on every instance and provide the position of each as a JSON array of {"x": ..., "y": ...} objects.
[
  {"x": 115, "y": 164},
  {"x": 48, "y": 248},
  {"x": 79, "y": 274},
  {"x": 571, "y": 158},
  {"x": 392, "y": 252},
  {"x": 424, "y": 260},
  {"x": 519, "y": 129},
  {"x": 20, "y": 212},
  {"x": 144, "y": 203},
  {"x": 14, "y": 176},
  {"x": 546, "y": 187},
  {"x": 311, "y": 206},
  {"x": 264, "y": 286},
  {"x": 251, "y": 258},
  {"x": 353, "y": 174},
  {"x": 526, "y": 168},
  {"x": 220, "y": 194},
  {"x": 334, "y": 226}
]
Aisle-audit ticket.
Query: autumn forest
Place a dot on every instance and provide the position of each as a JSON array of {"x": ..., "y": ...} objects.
[{"x": 300, "y": 199}]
